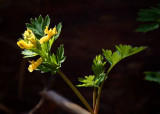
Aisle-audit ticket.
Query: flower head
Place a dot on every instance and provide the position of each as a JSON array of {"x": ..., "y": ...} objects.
[
  {"x": 29, "y": 40},
  {"x": 30, "y": 37},
  {"x": 28, "y": 34},
  {"x": 49, "y": 33},
  {"x": 34, "y": 64}
]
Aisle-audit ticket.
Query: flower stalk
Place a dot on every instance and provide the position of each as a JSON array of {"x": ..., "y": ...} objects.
[
  {"x": 75, "y": 91},
  {"x": 99, "y": 92},
  {"x": 94, "y": 97}
]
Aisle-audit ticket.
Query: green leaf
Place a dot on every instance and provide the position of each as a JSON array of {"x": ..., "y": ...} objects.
[
  {"x": 151, "y": 15},
  {"x": 122, "y": 52},
  {"x": 38, "y": 25},
  {"x": 59, "y": 27},
  {"x": 46, "y": 23},
  {"x": 127, "y": 50},
  {"x": 98, "y": 79},
  {"x": 60, "y": 55},
  {"x": 112, "y": 58},
  {"x": 152, "y": 76},
  {"x": 38, "y": 52},
  {"x": 147, "y": 27},
  {"x": 51, "y": 42},
  {"x": 98, "y": 65},
  {"x": 88, "y": 81},
  {"x": 91, "y": 81},
  {"x": 28, "y": 53},
  {"x": 54, "y": 60},
  {"x": 43, "y": 68},
  {"x": 45, "y": 47}
]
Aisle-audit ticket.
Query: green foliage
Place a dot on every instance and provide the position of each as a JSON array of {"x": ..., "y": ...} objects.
[
  {"x": 127, "y": 50},
  {"x": 59, "y": 27},
  {"x": 151, "y": 16},
  {"x": 99, "y": 78},
  {"x": 60, "y": 55},
  {"x": 43, "y": 68},
  {"x": 53, "y": 60},
  {"x": 152, "y": 76},
  {"x": 122, "y": 52},
  {"x": 98, "y": 65},
  {"x": 112, "y": 58},
  {"x": 38, "y": 25},
  {"x": 88, "y": 81},
  {"x": 28, "y": 53},
  {"x": 91, "y": 81},
  {"x": 46, "y": 67},
  {"x": 147, "y": 27}
]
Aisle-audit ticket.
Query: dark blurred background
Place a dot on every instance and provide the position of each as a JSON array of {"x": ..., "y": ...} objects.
[{"x": 88, "y": 26}]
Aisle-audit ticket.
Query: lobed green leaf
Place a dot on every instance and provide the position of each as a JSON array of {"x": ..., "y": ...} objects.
[
  {"x": 88, "y": 81},
  {"x": 127, "y": 50},
  {"x": 112, "y": 58},
  {"x": 38, "y": 25},
  {"x": 28, "y": 53},
  {"x": 98, "y": 65},
  {"x": 151, "y": 15}
]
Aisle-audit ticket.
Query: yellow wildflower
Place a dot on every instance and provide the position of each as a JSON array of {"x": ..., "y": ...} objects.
[
  {"x": 49, "y": 33},
  {"x": 22, "y": 44},
  {"x": 34, "y": 64},
  {"x": 29, "y": 36}
]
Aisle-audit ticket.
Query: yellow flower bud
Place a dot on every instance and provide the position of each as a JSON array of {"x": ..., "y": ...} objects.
[
  {"x": 34, "y": 64},
  {"x": 22, "y": 44}
]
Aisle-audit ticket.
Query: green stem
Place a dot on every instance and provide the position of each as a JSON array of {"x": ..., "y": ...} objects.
[
  {"x": 94, "y": 97},
  {"x": 75, "y": 91},
  {"x": 99, "y": 91}
]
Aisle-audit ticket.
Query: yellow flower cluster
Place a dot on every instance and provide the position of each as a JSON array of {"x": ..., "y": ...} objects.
[{"x": 29, "y": 42}]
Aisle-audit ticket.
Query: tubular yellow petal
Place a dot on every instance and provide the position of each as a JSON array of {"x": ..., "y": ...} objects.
[
  {"x": 22, "y": 44},
  {"x": 34, "y": 64},
  {"x": 44, "y": 39},
  {"x": 49, "y": 33}
]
